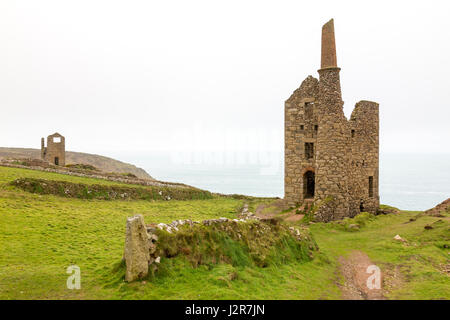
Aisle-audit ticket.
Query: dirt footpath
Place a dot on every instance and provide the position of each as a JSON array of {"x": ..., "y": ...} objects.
[
  {"x": 354, "y": 269},
  {"x": 274, "y": 210}
]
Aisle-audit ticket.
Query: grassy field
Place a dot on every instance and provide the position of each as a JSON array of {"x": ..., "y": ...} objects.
[
  {"x": 419, "y": 264},
  {"x": 41, "y": 235}
]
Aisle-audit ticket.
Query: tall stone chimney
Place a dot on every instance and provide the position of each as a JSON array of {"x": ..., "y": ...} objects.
[
  {"x": 328, "y": 46},
  {"x": 330, "y": 85},
  {"x": 333, "y": 148},
  {"x": 42, "y": 148}
]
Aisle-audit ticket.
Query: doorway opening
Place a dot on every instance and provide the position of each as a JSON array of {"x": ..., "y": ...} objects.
[
  {"x": 361, "y": 206},
  {"x": 308, "y": 184}
]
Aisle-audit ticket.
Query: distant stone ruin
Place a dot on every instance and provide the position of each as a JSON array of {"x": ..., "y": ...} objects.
[
  {"x": 330, "y": 161},
  {"x": 55, "y": 152}
]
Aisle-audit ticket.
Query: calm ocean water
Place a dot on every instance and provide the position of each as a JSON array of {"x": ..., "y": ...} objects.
[{"x": 407, "y": 181}]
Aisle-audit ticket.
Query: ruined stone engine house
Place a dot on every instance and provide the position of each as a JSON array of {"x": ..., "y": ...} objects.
[
  {"x": 330, "y": 161},
  {"x": 55, "y": 152}
]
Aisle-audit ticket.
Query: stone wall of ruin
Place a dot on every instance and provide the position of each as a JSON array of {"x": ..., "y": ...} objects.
[
  {"x": 333, "y": 148},
  {"x": 54, "y": 150},
  {"x": 300, "y": 127},
  {"x": 346, "y": 152},
  {"x": 364, "y": 124}
]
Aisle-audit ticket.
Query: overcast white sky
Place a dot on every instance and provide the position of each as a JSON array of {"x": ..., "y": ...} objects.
[{"x": 138, "y": 76}]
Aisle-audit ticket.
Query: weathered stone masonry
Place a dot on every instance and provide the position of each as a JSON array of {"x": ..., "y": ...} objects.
[
  {"x": 330, "y": 160},
  {"x": 55, "y": 152}
]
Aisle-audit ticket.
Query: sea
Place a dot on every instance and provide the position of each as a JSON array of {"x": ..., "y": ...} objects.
[{"x": 407, "y": 181}]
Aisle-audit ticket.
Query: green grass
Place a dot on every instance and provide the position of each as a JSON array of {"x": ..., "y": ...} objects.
[
  {"x": 104, "y": 192},
  {"x": 420, "y": 260},
  {"x": 251, "y": 244},
  {"x": 41, "y": 235},
  {"x": 11, "y": 174}
]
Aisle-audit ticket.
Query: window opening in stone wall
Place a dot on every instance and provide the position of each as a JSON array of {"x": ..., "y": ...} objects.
[
  {"x": 370, "y": 187},
  {"x": 353, "y": 133},
  {"x": 302, "y": 127},
  {"x": 309, "y": 106},
  {"x": 308, "y": 185},
  {"x": 316, "y": 127},
  {"x": 57, "y": 161},
  {"x": 309, "y": 150},
  {"x": 56, "y": 139}
]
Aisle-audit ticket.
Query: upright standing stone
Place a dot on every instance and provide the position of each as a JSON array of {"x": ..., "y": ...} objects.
[{"x": 136, "y": 255}]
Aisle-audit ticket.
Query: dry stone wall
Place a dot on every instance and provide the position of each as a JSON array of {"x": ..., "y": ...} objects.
[
  {"x": 206, "y": 242},
  {"x": 35, "y": 165},
  {"x": 141, "y": 241}
]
